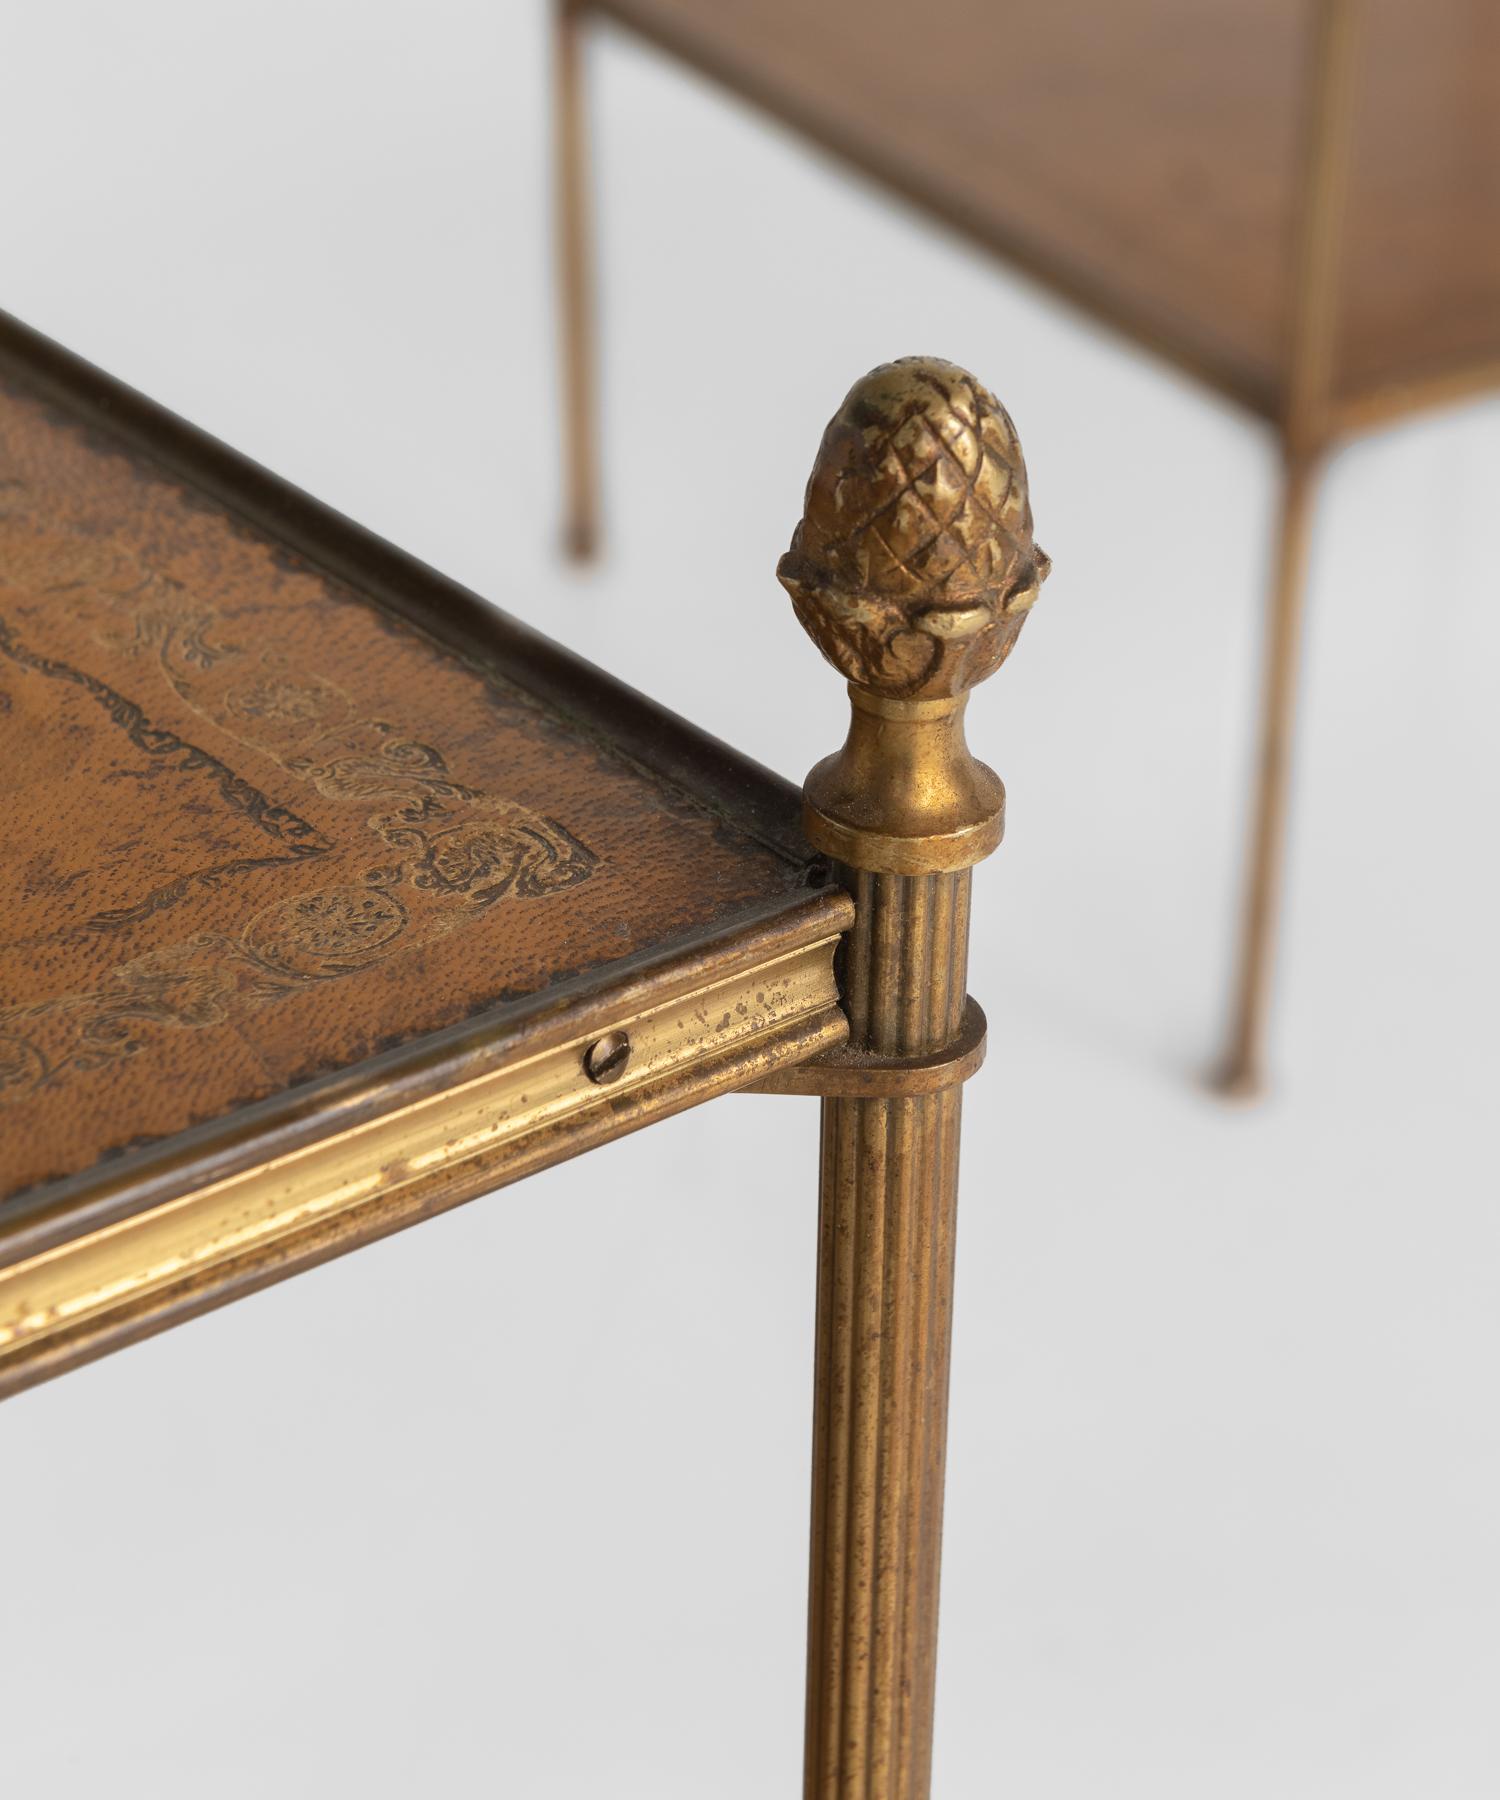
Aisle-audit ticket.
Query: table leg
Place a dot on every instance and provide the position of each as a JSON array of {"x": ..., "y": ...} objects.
[
  {"x": 1242, "y": 1073},
  {"x": 889, "y": 1196},
  {"x": 913, "y": 569},
  {"x": 1333, "y": 28},
  {"x": 575, "y": 289}
]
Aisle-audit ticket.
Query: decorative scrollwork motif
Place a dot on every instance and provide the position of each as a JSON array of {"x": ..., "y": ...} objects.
[
  {"x": 204, "y": 980},
  {"x": 332, "y": 931},
  {"x": 462, "y": 841},
  {"x": 446, "y": 850},
  {"x": 297, "y": 838}
]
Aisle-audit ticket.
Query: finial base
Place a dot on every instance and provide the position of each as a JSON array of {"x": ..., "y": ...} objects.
[{"x": 905, "y": 795}]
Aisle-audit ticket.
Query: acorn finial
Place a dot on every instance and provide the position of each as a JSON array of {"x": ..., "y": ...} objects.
[{"x": 914, "y": 565}]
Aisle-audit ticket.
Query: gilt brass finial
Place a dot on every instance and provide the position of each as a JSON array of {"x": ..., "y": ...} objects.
[
  {"x": 914, "y": 567},
  {"x": 913, "y": 570}
]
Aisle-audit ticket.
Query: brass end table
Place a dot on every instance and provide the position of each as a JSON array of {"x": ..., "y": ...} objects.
[
  {"x": 1295, "y": 201},
  {"x": 335, "y": 898}
]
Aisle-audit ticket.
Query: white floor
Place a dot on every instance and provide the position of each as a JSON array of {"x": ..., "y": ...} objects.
[{"x": 515, "y": 1504}]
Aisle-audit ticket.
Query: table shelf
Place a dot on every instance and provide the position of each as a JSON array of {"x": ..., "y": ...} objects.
[
  {"x": 323, "y": 880},
  {"x": 1144, "y": 159}
]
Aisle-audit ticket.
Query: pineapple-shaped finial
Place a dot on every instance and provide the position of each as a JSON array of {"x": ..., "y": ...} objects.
[{"x": 914, "y": 565}]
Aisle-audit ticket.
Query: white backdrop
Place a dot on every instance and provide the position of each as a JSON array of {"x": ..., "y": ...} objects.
[{"x": 516, "y": 1503}]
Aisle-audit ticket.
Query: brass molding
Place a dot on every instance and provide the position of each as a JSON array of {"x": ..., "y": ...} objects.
[
  {"x": 62, "y": 1304},
  {"x": 904, "y": 795},
  {"x": 847, "y": 1074}
]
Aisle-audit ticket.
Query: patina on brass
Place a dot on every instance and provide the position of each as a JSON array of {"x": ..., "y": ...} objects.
[
  {"x": 606, "y": 1060},
  {"x": 488, "y": 1116},
  {"x": 842, "y": 1073},
  {"x": 913, "y": 570}
]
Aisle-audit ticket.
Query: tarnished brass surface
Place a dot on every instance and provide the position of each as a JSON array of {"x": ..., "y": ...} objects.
[
  {"x": 913, "y": 571},
  {"x": 904, "y": 794},
  {"x": 885, "y": 1292},
  {"x": 845, "y": 1073},
  {"x": 913, "y": 567},
  {"x": 494, "y": 1122}
]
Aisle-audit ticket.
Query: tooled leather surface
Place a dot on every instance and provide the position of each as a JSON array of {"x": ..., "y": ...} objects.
[{"x": 255, "y": 830}]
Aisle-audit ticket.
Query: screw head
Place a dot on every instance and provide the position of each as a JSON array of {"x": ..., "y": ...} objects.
[{"x": 605, "y": 1059}]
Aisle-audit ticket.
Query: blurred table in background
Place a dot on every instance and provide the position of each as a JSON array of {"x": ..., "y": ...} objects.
[
  {"x": 1297, "y": 201},
  {"x": 1145, "y": 157}
]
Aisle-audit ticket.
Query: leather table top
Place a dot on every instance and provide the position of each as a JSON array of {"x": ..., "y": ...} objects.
[{"x": 261, "y": 825}]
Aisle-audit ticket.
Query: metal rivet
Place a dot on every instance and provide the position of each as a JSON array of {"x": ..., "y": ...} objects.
[{"x": 605, "y": 1059}]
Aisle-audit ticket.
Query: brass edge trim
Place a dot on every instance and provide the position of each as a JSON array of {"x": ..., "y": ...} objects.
[
  {"x": 427, "y": 1065},
  {"x": 146, "y": 1315},
  {"x": 488, "y": 1116}
]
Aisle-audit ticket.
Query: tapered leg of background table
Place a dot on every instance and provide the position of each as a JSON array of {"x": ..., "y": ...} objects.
[
  {"x": 576, "y": 295},
  {"x": 889, "y": 1191},
  {"x": 1244, "y": 1064}
]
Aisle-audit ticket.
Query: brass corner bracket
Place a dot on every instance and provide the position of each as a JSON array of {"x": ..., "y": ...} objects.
[{"x": 842, "y": 1073}]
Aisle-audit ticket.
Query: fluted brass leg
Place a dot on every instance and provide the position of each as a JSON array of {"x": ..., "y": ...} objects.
[
  {"x": 889, "y": 1192},
  {"x": 913, "y": 569},
  {"x": 576, "y": 297},
  {"x": 1242, "y": 1073}
]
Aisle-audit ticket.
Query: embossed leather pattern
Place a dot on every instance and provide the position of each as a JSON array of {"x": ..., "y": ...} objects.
[{"x": 257, "y": 828}]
